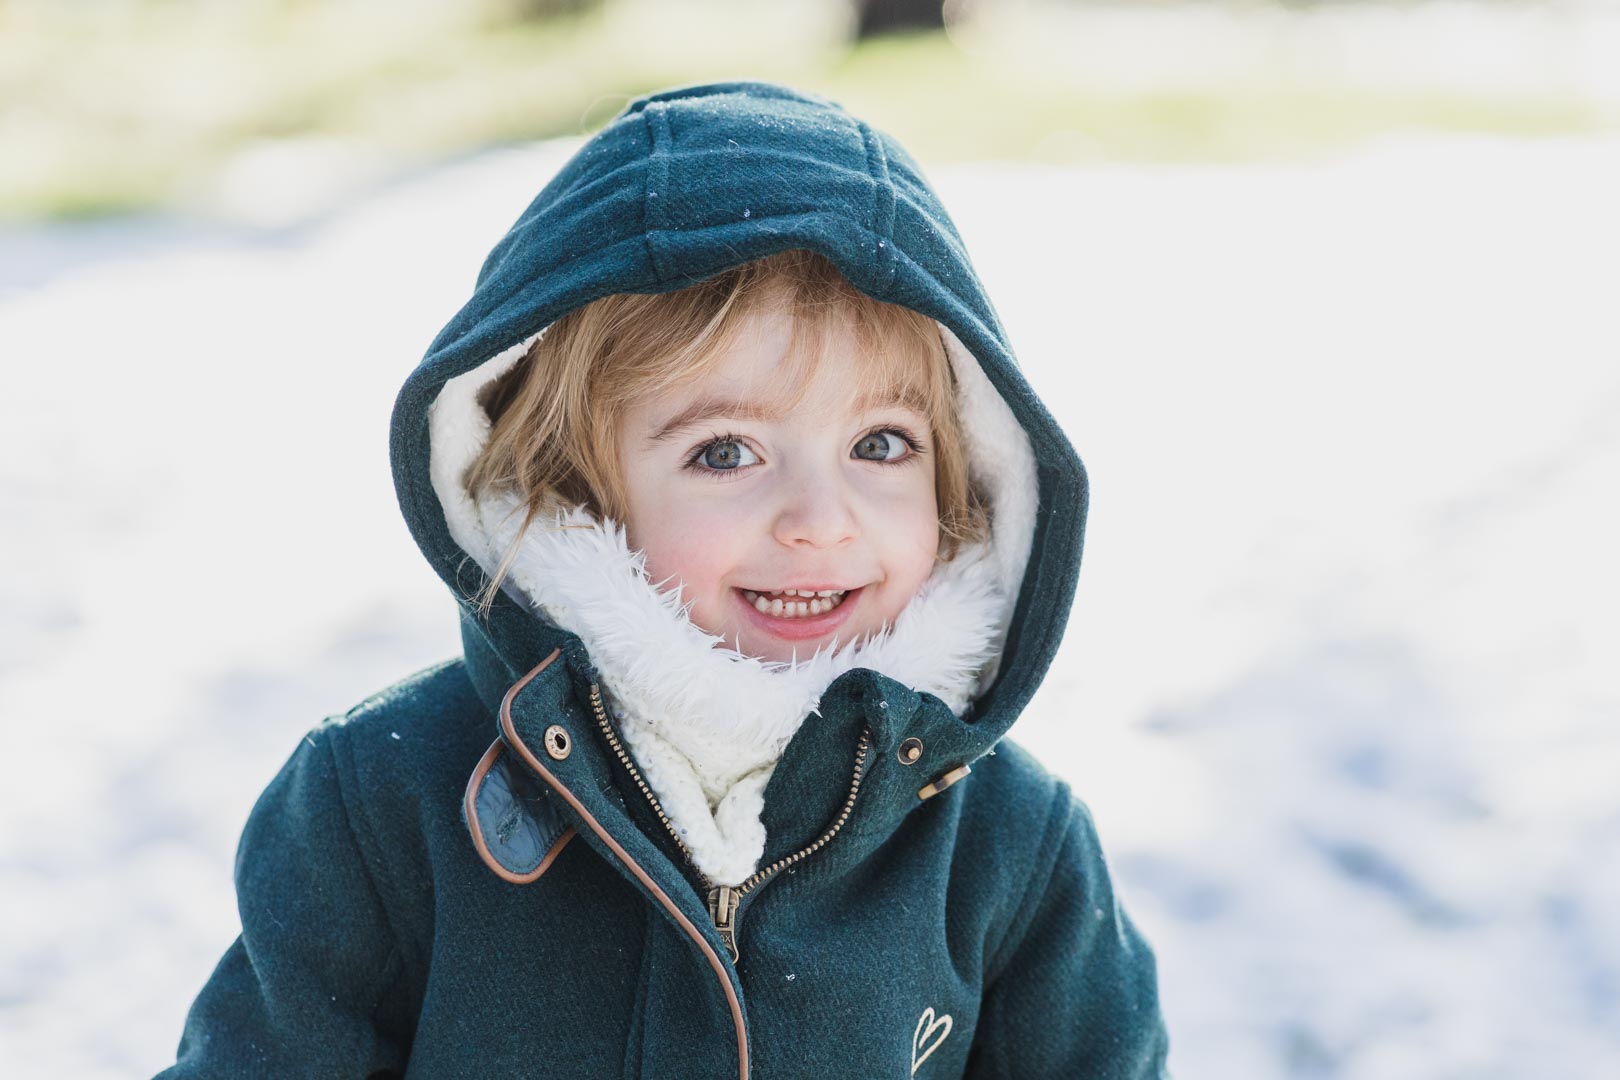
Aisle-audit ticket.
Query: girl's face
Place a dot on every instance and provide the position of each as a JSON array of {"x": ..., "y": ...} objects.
[{"x": 739, "y": 499}]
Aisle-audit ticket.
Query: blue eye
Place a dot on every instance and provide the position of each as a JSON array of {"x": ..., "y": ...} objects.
[
  {"x": 729, "y": 455},
  {"x": 725, "y": 453},
  {"x": 886, "y": 446}
]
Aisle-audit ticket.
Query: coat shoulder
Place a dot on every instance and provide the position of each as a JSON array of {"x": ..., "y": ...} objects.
[
  {"x": 424, "y": 693},
  {"x": 1013, "y": 819},
  {"x": 1039, "y": 838},
  {"x": 428, "y": 717},
  {"x": 404, "y": 755},
  {"x": 1009, "y": 787}
]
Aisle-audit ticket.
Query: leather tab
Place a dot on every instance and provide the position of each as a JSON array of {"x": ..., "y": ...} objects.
[
  {"x": 942, "y": 782},
  {"x": 516, "y": 827}
]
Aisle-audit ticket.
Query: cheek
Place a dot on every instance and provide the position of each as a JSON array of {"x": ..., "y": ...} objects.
[
  {"x": 921, "y": 539},
  {"x": 907, "y": 526},
  {"x": 695, "y": 545}
]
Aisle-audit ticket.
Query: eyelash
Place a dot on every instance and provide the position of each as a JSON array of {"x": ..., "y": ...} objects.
[{"x": 694, "y": 460}]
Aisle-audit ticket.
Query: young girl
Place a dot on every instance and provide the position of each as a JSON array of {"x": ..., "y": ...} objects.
[{"x": 761, "y": 543}]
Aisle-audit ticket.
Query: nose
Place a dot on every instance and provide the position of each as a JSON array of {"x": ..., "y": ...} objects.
[{"x": 816, "y": 513}]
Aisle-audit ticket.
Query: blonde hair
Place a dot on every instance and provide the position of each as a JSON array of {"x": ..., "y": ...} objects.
[{"x": 553, "y": 414}]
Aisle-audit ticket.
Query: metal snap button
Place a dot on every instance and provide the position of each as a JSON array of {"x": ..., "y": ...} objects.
[
  {"x": 558, "y": 744},
  {"x": 910, "y": 751}
]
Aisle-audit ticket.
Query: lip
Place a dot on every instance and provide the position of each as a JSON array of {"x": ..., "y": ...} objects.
[
  {"x": 810, "y": 626},
  {"x": 805, "y": 588}
]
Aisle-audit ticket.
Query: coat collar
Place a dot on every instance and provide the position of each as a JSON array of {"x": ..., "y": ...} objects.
[{"x": 806, "y": 790}]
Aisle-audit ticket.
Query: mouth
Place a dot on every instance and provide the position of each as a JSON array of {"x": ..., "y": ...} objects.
[
  {"x": 798, "y": 614},
  {"x": 796, "y": 603}
]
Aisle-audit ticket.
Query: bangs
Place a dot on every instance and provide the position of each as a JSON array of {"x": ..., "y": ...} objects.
[{"x": 901, "y": 357}]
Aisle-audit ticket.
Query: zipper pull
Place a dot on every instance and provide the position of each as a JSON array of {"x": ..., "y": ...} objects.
[{"x": 723, "y": 901}]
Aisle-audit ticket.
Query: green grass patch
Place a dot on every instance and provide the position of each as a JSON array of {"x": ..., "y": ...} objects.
[{"x": 108, "y": 115}]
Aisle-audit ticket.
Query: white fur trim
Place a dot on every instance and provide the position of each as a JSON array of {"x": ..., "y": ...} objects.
[
  {"x": 1001, "y": 464},
  {"x": 706, "y": 723}
]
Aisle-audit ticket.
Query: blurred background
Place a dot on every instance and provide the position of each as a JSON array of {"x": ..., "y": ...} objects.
[{"x": 1324, "y": 293}]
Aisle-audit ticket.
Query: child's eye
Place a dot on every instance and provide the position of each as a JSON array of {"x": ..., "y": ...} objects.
[
  {"x": 723, "y": 453},
  {"x": 887, "y": 445}
]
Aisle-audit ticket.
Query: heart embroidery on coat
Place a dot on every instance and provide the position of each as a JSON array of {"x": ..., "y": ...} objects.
[{"x": 927, "y": 1024}]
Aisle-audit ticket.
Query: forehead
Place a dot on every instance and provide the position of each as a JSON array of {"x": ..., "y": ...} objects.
[
  {"x": 677, "y": 418},
  {"x": 772, "y": 368}
]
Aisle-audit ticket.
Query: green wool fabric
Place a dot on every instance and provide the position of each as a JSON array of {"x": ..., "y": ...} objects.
[{"x": 971, "y": 934}]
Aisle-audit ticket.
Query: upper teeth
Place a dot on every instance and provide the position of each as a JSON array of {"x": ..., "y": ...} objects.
[{"x": 818, "y": 601}]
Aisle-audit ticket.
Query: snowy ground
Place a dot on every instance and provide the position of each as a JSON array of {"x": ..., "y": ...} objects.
[{"x": 1338, "y": 684}]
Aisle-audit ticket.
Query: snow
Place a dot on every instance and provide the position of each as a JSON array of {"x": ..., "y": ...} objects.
[{"x": 1338, "y": 685}]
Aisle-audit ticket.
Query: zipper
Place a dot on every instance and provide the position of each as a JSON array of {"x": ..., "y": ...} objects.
[
  {"x": 725, "y": 901},
  {"x": 717, "y": 965}
]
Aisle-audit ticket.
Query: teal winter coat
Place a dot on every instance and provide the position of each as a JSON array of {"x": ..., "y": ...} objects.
[{"x": 463, "y": 876}]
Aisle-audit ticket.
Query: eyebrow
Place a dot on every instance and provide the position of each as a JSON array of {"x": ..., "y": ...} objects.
[{"x": 907, "y": 397}]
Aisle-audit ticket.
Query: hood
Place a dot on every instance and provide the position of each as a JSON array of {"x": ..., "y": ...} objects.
[{"x": 681, "y": 186}]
